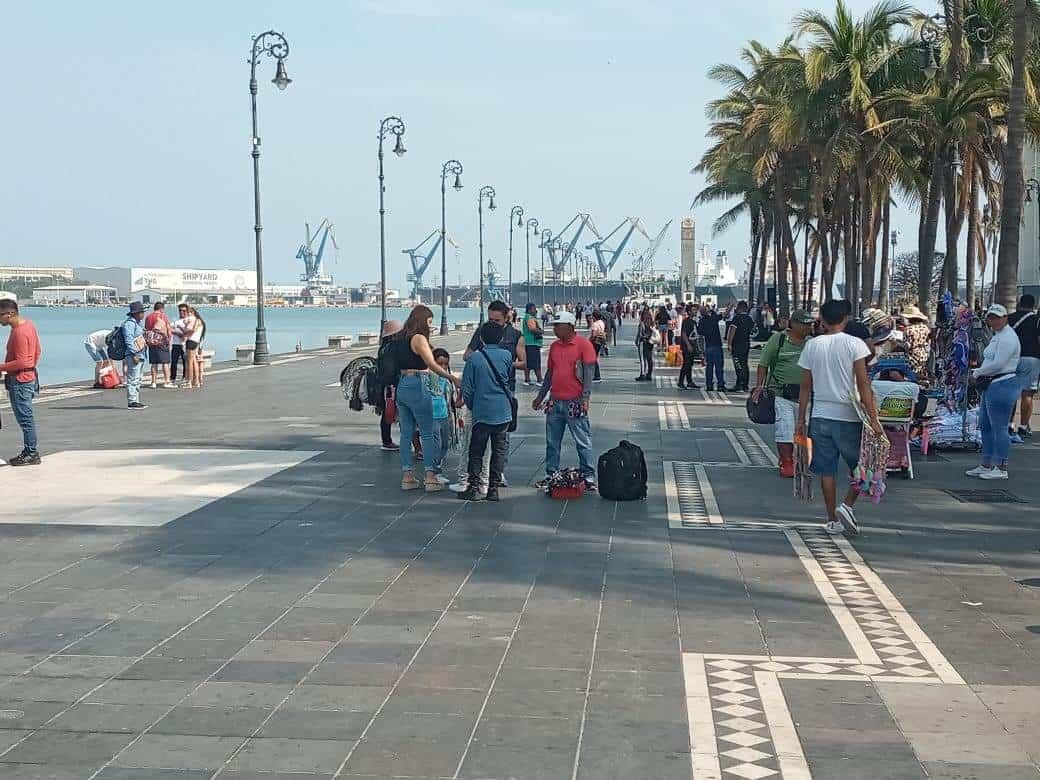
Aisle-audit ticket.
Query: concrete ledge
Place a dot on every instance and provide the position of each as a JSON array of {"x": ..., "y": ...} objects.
[
  {"x": 340, "y": 342},
  {"x": 244, "y": 353},
  {"x": 368, "y": 339},
  {"x": 207, "y": 358}
]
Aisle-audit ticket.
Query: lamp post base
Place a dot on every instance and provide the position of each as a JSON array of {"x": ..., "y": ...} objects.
[
  {"x": 444, "y": 325},
  {"x": 261, "y": 357}
]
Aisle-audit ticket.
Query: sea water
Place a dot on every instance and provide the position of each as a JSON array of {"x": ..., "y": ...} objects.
[{"x": 64, "y": 329}]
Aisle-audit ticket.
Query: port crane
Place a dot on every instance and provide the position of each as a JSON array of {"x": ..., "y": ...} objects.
[
  {"x": 421, "y": 257},
  {"x": 607, "y": 257},
  {"x": 643, "y": 265},
  {"x": 561, "y": 248},
  {"x": 318, "y": 283}
]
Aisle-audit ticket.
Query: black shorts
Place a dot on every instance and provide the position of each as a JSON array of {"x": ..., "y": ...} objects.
[
  {"x": 158, "y": 355},
  {"x": 190, "y": 346},
  {"x": 534, "y": 357}
]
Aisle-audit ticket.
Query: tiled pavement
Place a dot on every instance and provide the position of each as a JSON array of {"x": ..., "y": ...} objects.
[{"x": 263, "y": 603}]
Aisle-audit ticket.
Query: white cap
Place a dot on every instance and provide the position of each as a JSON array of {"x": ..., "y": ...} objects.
[
  {"x": 564, "y": 318},
  {"x": 997, "y": 310}
]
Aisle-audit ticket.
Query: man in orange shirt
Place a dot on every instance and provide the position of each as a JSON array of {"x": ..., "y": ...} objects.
[
  {"x": 568, "y": 385},
  {"x": 20, "y": 377}
]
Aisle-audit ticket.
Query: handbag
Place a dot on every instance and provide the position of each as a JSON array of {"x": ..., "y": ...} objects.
[
  {"x": 513, "y": 406},
  {"x": 391, "y": 409},
  {"x": 762, "y": 411}
]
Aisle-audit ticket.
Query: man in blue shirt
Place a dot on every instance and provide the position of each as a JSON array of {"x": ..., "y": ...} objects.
[
  {"x": 136, "y": 350},
  {"x": 488, "y": 398}
]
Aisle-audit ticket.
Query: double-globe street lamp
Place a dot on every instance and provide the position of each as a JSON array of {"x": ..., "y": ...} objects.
[
  {"x": 932, "y": 30},
  {"x": 273, "y": 44},
  {"x": 487, "y": 192},
  {"x": 531, "y": 223},
  {"x": 517, "y": 213},
  {"x": 392, "y": 125},
  {"x": 449, "y": 168},
  {"x": 546, "y": 239}
]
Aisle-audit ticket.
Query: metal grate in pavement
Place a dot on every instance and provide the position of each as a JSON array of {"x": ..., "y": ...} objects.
[
  {"x": 672, "y": 416},
  {"x": 986, "y": 497},
  {"x": 715, "y": 397},
  {"x": 665, "y": 382},
  {"x": 750, "y": 449},
  {"x": 691, "y": 500}
]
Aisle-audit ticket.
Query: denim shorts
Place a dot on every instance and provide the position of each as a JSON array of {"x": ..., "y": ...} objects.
[
  {"x": 96, "y": 354},
  {"x": 832, "y": 442},
  {"x": 1028, "y": 374}
]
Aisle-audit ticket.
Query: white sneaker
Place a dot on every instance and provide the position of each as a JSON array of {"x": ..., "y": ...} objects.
[
  {"x": 847, "y": 519},
  {"x": 458, "y": 487},
  {"x": 153, "y": 385},
  {"x": 443, "y": 479},
  {"x": 170, "y": 386},
  {"x": 994, "y": 473},
  {"x": 978, "y": 471},
  {"x": 834, "y": 527}
]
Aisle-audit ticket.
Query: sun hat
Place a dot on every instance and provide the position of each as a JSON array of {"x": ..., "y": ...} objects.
[
  {"x": 997, "y": 310},
  {"x": 564, "y": 318},
  {"x": 912, "y": 313},
  {"x": 136, "y": 308}
]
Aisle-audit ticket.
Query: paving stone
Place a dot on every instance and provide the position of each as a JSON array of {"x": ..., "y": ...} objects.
[
  {"x": 541, "y": 679},
  {"x": 562, "y": 704},
  {"x": 263, "y": 671},
  {"x": 41, "y": 772},
  {"x": 212, "y": 721},
  {"x": 345, "y": 698},
  {"x": 419, "y": 759},
  {"x": 355, "y": 673},
  {"x": 174, "y": 751},
  {"x": 140, "y": 692},
  {"x": 536, "y": 732},
  {"x": 620, "y": 764},
  {"x": 952, "y": 709},
  {"x": 28, "y": 714},
  {"x": 82, "y": 666},
  {"x": 67, "y": 748},
  {"x": 170, "y": 669},
  {"x": 373, "y": 652},
  {"x": 315, "y": 724},
  {"x": 49, "y": 688},
  {"x": 118, "y": 718},
  {"x": 961, "y": 748},
  {"x": 944, "y": 771},
  {"x": 865, "y": 769},
  {"x": 238, "y": 694},
  {"x": 118, "y": 773},
  {"x": 521, "y": 763},
  {"x": 406, "y": 727},
  {"x": 475, "y": 678},
  {"x": 291, "y": 755}
]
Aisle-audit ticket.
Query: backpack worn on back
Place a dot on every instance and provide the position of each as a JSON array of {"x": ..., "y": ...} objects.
[
  {"x": 115, "y": 344},
  {"x": 622, "y": 473},
  {"x": 387, "y": 370}
]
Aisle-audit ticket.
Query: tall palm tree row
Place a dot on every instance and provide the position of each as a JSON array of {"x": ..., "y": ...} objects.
[{"x": 815, "y": 139}]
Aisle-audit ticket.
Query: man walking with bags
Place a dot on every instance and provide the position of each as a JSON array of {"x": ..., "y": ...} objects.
[
  {"x": 568, "y": 385},
  {"x": 136, "y": 350},
  {"x": 21, "y": 379}
]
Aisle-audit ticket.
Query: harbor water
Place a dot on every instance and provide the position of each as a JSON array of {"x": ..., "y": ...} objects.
[{"x": 64, "y": 329}]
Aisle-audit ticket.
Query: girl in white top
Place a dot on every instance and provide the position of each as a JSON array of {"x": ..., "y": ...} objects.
[{"x": 1000, "y": 360}]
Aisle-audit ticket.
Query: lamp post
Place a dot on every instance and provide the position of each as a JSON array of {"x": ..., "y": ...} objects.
[
  {"x": 390, "y": 125},
  {"x": 1033, "y": 190},
  {"x": 273, "y": 44},
  {"x": 517, "y": 213},
  {"x": 530, "y": 223},
  {"x": 486, "y": 192},
  {"x": 558, "y": 246},
  {"x": 546, "y": 238},
  {"x": 932, "y": 30},
  {"x": 450, "y": 167}
]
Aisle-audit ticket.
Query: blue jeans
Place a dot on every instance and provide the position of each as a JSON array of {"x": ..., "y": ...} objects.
[
  {"x": 134, "y": 372},
  {"x": 832, "y": 442},
  {"x": 21, "y": 395},
  {"x": 556, "y": 421},
  {"x": 444, "y": 438},
  {"x": 713, "y": 362},
  {"x": 415, "y": 410},
  {"x": 994, "y": 413}
]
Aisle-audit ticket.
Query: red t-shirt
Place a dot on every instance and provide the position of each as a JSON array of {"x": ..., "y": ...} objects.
[
  {"x": 23, "y": 352},
  {"x": 156, "y": 321},
  {"x": 564, "y": 357}
]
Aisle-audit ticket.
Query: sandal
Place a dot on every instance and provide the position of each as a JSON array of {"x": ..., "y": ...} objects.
[
  {"x": 433, "y": 486},
  {"x": 409, "y": 482}
]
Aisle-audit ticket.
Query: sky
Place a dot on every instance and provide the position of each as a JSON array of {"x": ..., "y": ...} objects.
[{"x": 126, "y": 138}]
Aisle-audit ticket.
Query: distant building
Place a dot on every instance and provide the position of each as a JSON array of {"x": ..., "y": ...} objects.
[
  {"x": 1029, "y": 243},
  {"x": 34, "y": 273},
  {"x": 72, "y": 293}
]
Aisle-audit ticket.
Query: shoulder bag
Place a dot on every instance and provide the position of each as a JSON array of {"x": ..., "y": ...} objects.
[
  {"x": 763, "y": 411},
  {"x": 505, "y": 389}
]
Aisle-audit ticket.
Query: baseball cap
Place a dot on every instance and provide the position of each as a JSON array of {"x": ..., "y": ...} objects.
[
  {"x": 564, "y": 318},
  {"x": 802, "y": 316},
  {"x": 997, "y": 310}
]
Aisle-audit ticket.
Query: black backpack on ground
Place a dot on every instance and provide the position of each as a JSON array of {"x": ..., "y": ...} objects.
[
  {"x": 115, "y": 344},
  {"x": 622, "y": 473}
]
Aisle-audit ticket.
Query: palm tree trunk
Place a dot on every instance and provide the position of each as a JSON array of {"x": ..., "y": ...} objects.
[
  {"x": 886, "y": 259},
  {"x": 780, "y": 222},
  {"x": 973, "y": 233},
  {"x": 867, "y": 218},
  {"x": 767, "y": 230},
  {"x": 1011, "y": 205},
  {"x": 811, "y": 281},
  {"x": 756, "y": 237},
  {"x": 955, "y": 213},
  {"x": 926, "y": 249},
  {"x": 792, "y": 265}
]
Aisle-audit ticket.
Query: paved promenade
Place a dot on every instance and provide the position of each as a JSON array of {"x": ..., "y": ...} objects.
[{"x": 231, "y": 585}]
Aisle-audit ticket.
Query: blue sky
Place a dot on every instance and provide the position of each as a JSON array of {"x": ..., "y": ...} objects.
[{"x": 126, "y": 140}]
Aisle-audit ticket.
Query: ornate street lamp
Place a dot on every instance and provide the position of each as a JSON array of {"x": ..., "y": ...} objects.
[
  {"x": 546, "y": 239},
  {"x": 531, "y": 223},
  {"x": 449, "y": 168},
  {"x": 273, "y": 44},
  {"x": 516, "y": 213},
  {"x": 392, "y": 125},
  {"x": 487, "y": 192}
]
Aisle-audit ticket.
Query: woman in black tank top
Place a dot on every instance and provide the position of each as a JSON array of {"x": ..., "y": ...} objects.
[{"x": 414, "y": 354}]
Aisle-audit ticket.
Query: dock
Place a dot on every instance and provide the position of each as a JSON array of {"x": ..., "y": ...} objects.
[{"x": 230, "y": 584}]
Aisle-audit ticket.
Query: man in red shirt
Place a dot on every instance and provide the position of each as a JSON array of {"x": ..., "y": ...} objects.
[
  {"x": 157, "y": 332},
  {"x": 568, "y": 384},
  {"x": 20, "y": 378}
]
